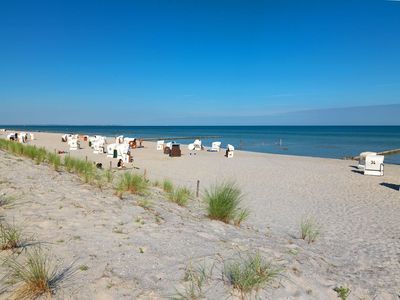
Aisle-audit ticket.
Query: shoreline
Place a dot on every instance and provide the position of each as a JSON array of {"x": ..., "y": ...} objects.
[{"x": 110, "y": 138}]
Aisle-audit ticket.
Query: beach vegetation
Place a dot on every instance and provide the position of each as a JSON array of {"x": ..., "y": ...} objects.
[
  {"x": 36, "y": 276},
  {"x": 40, "y": 156},
  {"x": 156, "y": 183},
  {"x": 54, "y": 160},
  {"x": 224, "y": 202},
  {"x": 342, "y": 292},
  {"x": 167, "y": 186},
  {"x": 249, "y": 274},
  {"x": 6, "y": 201},
  {"x": 83, "y": 267},
  {"x": 10, "y": 237},
  {"x": 145, "y": 203},
  {"x": 195, "y": 278},
  {"x": 180, "y": 195},
  {"x": 133, "y": 183},
  {"x": 109, "y": 175},
  {"x": 309, "y": 230}
]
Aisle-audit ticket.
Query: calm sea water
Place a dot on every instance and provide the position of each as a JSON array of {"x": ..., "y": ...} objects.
[{"x": 320, "y": 141}]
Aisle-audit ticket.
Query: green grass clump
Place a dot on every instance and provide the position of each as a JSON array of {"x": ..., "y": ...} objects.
[
  {"x": 54, "y": 160},
  {"x": 195, "y": 278},
  {"x": 224, "y": 203},
  {"x": 343, "y": 292},
  {"x": 133, "y": 183},
  {"x": 36, "y": 276},
  {"x": 167, "y": 186},
  {"x": 309, "y": 230},
  {"x": 10, "y": 237},
  {"x": 180, "y": 195},
  {"x": 249, "y": 274}
]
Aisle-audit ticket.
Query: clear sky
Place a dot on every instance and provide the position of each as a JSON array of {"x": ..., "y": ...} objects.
[{"x": 153, "y": 62}]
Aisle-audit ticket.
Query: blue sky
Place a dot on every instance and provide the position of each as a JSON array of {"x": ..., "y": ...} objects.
[{"x": 189, "y": 62}]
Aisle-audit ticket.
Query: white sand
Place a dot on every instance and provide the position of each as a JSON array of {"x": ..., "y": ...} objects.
[{"x": 359, "y": 215}]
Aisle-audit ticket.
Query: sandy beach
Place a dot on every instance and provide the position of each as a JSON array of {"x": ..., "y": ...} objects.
[{"x": 359, "y": 217}]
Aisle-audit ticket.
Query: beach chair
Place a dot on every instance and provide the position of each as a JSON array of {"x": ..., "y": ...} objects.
[
  {"x": 22, "y": 137},
  {"x": 215, "y": 147},
  {"x": 160, "y": 145},
  {"x": 196, "y": 145},
  {"x": 362, "y": 157},
  {"x": 73, "y": 144},
  {"x": 229, "y": 151},
  {"x": 374, "y": 165},
  {"x": 175, "y": 151},
  {"x": 110, "y": 150}
]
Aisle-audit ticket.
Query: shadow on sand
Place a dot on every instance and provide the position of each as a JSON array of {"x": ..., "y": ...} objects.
[
  {"x": 358, "y": 172},
  {"x": 392, "y": 186}
]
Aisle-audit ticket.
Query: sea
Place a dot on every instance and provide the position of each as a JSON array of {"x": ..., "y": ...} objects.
[{"x": 317, "y": 141}]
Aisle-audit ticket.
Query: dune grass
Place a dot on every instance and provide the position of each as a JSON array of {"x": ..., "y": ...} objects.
[
  {"x": 224, "y": 201},
  {"x": 180, "y": 195},
  {"x": 195, "y": 278},
  {"x": 86, "y": 170},
  {"x": 10, "y": 237},
  {"x": 109, "y": 175},
  {"x": 36, "y": 276},
  {"x": 54, "y": 160},
  {"x": 309, "y": 230},
  {"x": 6, "y": 201},
  {"x": 167, "y": 186},
  {"x": 249, "y": 274},
  {"x": 133, "y": 183}
]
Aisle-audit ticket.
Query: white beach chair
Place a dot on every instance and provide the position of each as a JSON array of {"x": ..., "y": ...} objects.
[
  {"x": 122, "y": 149},
  {"x": 110, "y": 150},
  {"x": 128, "y": 140},
  {"x": 215, "y": 147},
  {"x": 73, "y": 144},
  {"x": 374, "y": 165},
  {"x": 197, "y": 145},
  {"x": 362, "y": 157},
  {"x": 98, "y": 147},
  {"x": 22, "y": 137},
  {"x": 160, "y": 145},
  {"x": 230, "y": 150}
]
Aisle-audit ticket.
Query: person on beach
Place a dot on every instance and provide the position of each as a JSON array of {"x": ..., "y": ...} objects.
[{"x": 120, "y": 164}]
